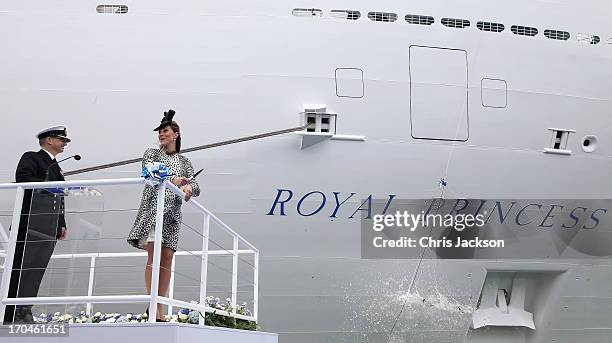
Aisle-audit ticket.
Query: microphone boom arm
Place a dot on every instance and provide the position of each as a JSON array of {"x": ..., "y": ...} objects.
[{"x": 76, "y": 157}]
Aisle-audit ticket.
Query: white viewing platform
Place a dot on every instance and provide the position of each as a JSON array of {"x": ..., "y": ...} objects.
[
  {"x": 142, "y": 331},
  {"x": 150, "y": 332}
]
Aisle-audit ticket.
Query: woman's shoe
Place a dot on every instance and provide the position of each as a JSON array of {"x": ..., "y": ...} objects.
[{"x": 158, "y": 320}]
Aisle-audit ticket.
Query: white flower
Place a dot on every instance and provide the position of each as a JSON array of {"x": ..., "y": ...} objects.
[
  {"x": 182, "y": 316},
  {"x": 98, "y": 314}
]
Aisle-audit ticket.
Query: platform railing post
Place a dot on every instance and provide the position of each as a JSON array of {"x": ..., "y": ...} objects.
[
  {"x": 171, "y": 286},
  {"x": 10, "y": 251},
  {"x": 235, "y": 275},
  {"x": 92, "y": 268},
  {"x": 255, "y": 284},
  {"x": 204, "y": 264},
  {"x": 159, "y": 226}
]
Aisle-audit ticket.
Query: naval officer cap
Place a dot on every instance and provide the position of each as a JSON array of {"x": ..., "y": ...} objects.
[
  {"x": 54, "y": 131},
  {"x": 166, "y": 120}
]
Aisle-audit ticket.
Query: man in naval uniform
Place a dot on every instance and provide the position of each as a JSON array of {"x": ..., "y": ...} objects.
[{"x": 41, "y": 223}]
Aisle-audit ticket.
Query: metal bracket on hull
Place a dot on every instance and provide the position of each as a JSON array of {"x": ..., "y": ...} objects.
[
  {"x": 558, "y": 143},
  {"x": 494, "y": 309},
  {"x": 312, "y": 138}
]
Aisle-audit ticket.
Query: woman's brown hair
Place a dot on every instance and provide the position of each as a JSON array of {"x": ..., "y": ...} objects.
[{"x": 175, "y": 127}]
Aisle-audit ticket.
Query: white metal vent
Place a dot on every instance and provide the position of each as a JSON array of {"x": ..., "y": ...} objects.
[
  {"x": 558, "y": 35},
  {"x": 112, "y": 9},
  {"x": 307, "y": 12},
  {"x": 346, "y": 14},
  {"x": 590, "y": 39},
  {"x": 558, "y": 142},
  {"x": 382, "y": 16},
  {"x": 317, "y": 119},
  {"x": 456, "y": 23},
  {"x": 524, "y": 30},
  {"x": 419, "y": 19},
  {"x": 490, "y": 27},
  {"x": 324, "y": 123}
]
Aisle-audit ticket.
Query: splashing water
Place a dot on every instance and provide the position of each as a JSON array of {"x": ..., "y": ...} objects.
[{"x": 438, "y": 301}]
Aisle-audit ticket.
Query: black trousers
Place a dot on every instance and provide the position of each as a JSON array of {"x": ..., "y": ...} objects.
[{"x": 36, "y": 241}]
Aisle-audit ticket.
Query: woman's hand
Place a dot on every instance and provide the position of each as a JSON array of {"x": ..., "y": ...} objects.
[
  {"x": 180, "y": 181},
  {"x": 188, "y": 191}
]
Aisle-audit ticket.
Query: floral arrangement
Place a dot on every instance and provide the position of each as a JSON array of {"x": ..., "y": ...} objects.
[
  {"x": 155, "y": 173},
  {"x": 183, "y": 315}
]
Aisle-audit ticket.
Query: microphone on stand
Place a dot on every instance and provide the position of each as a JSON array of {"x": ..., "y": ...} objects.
[{"x": 76, "y": 157}]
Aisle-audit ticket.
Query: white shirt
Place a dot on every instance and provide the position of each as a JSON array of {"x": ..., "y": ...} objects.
[{"x": 50, "y": 154}]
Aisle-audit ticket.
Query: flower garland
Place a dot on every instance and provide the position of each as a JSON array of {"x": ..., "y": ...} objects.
[{"x": 184, "y": 315}]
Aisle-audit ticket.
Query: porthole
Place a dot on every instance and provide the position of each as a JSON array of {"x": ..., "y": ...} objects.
[
  {"x": 589, "y": 39},
  {"x": 558, "y": 35},
  {"x": 524, "y": 30},
  {"x": 382, "y": 16},
  {"x": 589, "y": 143},
  {"x": 307, "y": 12},
  {"x": 345, "y": 14},
  {"x": 490, "y": 27},
  {"x": 455, "y": 23},
  {"x": 419, "y": 19},
  {"x": 112, "y": 9}
]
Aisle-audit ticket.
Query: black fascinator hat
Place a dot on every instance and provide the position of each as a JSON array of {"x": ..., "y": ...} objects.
[{"x": 166, "y": 120}]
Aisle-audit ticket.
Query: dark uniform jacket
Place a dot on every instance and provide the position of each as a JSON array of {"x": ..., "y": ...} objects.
[
  {"x": 33, "y": 167},
  {"x": 42, "y": 217}
]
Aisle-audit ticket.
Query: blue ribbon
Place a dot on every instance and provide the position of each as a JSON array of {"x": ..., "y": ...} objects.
[{"x": 155, "y": 173}]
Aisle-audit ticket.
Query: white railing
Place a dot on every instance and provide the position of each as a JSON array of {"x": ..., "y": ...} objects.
[{"x": 153, "y": 299}]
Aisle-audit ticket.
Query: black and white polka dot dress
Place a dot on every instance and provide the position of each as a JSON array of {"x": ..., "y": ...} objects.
[{"x": 144, "y": 225}]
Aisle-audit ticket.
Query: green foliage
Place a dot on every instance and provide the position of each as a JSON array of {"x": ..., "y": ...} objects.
[{"x": 213, "y": 319}]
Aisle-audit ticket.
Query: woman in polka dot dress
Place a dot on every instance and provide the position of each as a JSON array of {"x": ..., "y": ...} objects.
[{"x": 142, "y": 234}]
